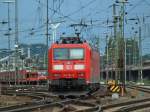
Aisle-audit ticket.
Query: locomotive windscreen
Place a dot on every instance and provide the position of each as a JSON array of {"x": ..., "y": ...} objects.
[{"x": 68, "y": 53}]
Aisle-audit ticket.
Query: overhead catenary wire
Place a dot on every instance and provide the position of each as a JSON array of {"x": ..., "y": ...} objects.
[
  {"x": 69, "y": 14},
  {"x": 72, "y": 13},
  {"x": 83, "y": 7},
  {"x": 137, "y": 4},
  {"x": 57, "y": 8},
  {"x": 59, "y": 13},
  {"x": 96, "y": 24},
  {"x": 147, "y": 2}
]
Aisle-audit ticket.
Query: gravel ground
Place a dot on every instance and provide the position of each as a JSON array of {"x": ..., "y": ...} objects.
[
  {"x": 136, "y": 93},
  {"x": 12, "y": 100},
  {"x": 67, "y": 108},
  {"x": 143, "y": 110}
]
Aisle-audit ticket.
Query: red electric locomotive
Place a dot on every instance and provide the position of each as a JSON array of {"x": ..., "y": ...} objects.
[{"x": 73, "y": 63}]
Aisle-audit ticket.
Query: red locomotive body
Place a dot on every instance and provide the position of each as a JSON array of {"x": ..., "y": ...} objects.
[{"x": 73, "y": 64}]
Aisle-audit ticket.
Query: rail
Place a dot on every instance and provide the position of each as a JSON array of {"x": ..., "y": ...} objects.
[
  {"x": 47, "y": 100},
  {"x": 119, "y": 106},
  {"x": 143, "y": 89}
]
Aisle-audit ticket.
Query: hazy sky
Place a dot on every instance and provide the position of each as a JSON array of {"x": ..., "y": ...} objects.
[{"x": 32, "y": 19}]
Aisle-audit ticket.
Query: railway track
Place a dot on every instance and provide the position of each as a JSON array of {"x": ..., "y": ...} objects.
[
  {"x": 63, "y": 105},
  {"x": 131, "y": 104},
  {"x": 48, "y": 100},
  {"x": 146, "y": 90},
  {"x": 128, "y": 105},
  {"x": 34, "y": 95},
  {"x": 74, "y": 102},
  {"x": 135, "y": 107}
]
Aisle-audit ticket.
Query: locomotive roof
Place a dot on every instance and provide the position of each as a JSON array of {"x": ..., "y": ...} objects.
[{"x": 70, "y": 40}]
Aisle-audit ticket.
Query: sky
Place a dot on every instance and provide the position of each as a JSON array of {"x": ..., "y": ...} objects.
[{"x": 97, "y": 14}]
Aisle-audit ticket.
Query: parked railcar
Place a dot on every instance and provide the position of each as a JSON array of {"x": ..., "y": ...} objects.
[
  {"x": 73, "y": 63},
  {"x": 10, "y": 76},
  {"x": 23, "y": 77}
]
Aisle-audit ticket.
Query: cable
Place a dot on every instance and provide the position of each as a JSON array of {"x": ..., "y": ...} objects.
[
  {"x": 27, "y": 30},
  {"x": 98, "y": 12},
  {"x": 63, "y": 16},
  {"x": 83, "y": 7},
  {"x": 58, "y": 8},
  {"x": 137, "y": 4},
  {"x": 147, "y": 2},
  {"x": 72, "y": 13}
]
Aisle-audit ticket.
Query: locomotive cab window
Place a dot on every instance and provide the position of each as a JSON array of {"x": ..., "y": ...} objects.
[
  {"x": 68, "y": 53},
  {"x": 76, "y": 53},
  {"x": 61, "y": 54}
]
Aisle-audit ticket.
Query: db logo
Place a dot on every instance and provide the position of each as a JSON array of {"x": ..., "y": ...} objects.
[
  {"x": 68, "y": 62},
  {"x": 68, "y": 67}
]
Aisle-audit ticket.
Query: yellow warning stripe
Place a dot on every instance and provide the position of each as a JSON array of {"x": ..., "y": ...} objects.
[
  {"x": 114, "y": 90},
  {"x": 112, "y": 87},
  {"x": 118, "y": 90}
]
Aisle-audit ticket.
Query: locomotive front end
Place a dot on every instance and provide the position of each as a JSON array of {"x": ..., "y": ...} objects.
[{"x": 67, "y": 65}]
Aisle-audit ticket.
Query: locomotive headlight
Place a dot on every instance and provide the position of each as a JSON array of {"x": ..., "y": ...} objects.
[
  {"x": 58, "y": 67},
  {"x": 79, "y": 67}
]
